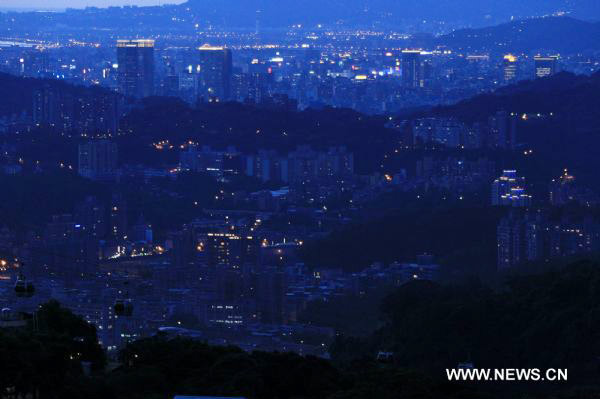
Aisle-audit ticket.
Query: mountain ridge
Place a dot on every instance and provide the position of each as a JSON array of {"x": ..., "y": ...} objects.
[
  {"x": 477, "y": 13},
  {"x": 439, "y": 15},
  {"x": 562, "y": 34}
]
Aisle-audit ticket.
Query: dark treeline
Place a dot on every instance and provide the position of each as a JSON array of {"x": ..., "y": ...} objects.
[
  {"x": 59, "y": 357},
  {"x": 250, "y": 128},
  {"x": 49, "y": 358},
  {"x": 563, "y": 136},
  {"x": 167, "y": 203},
  {"x": 538, "y": 320},
  {"x": 565, "y": 95},
  {"x": 462, "y": 233}
]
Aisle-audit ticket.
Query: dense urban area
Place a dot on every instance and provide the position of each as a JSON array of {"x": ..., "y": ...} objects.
[{"x": 296, "y": 210}]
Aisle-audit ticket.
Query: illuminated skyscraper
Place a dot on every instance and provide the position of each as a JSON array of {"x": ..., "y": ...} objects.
[
  {"x": 508, "y": 190},
  {"x": 411, "y": 68},
  {"x": 563, "y": 189},
  {"x": 509, "y": 68},
  {"x": 215, "y": 73},
  {"x": 545, "y": 66},
  {"x": 136, "y": 67}
]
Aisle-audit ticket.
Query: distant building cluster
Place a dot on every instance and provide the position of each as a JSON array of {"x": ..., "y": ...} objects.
[
  {"x": 76, "y": 111},
  {"x": 526, "y": 234},
  {"x": 302, "y": 165},
  {"x": 298, "y": 75},
  {"x": 208, "y": 160},
  {"x": 535, "y": 236},
  {"x": 98, "y": 160},
  {"x": 564, "y": 190},
  {"x": 509, "y": 190},
  {"x": 455, "y": 174},
  {"x": 545, "y": 66},
  {"x": 232, "y": 273},
  {"x": 499, "y": 133}
]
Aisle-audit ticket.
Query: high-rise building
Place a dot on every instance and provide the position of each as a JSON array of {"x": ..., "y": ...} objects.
[
  {"x": 215, "y": 73},
  {"x": 170, "y": 85},
  {"x": 509, "y": 68},
  {"x": 224, "y": 248},
  {"x": 271, "y": 290},
  {"x": 86, "y": 112},
  {"x": 141, "y": 232},
  {"x": 117, "y": 217},
  {"x": 563, "y": 189},
  {"x": 46, "y": 106},
  {"x": 536, "y": 237},
  {"x": 98, "y": 159},
  {"x": 508, "y": 190},
  {"x": 545, "y": 66},
  {"x": 503, "y": 130},
  {"x": 136, "y": 67},
  {"x": 91, "y": 216},
  {"x": 267, "y": 166},
  {"x": 511, "y": 243},
  {"x": 411, "y": 68}
]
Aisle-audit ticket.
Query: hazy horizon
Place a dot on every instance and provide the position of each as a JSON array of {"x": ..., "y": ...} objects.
[{"x": 61, "y": 4}]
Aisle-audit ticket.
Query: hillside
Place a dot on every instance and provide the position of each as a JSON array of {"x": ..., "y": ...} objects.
[
  {"x": 464, "y": 236},
  {"x": 563, "y": 94},
  {"x": 545, "y": 320},
  {"x": 385, "y": 12},
  {"x": 564, "y": 134},
  {"x": 251, "y": 128},
  {"x": 243, "y": 14},
  {"x": 460, "y": 234},
  {"x": 557, "y": 34}
]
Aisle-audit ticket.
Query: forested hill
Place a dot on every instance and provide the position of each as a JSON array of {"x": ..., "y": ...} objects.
[
  {"x": 251, "y": 128},
  {"x": 563, "y": 135},
  {"x": 545, "y": 320},
  {"x": 563, "y": 95},
  {"x": 566, "y": 134},
  {"x": 245, "y": 126}
]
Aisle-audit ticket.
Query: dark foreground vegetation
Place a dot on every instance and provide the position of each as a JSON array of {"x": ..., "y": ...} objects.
[{"x": 538, "y": 320}]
